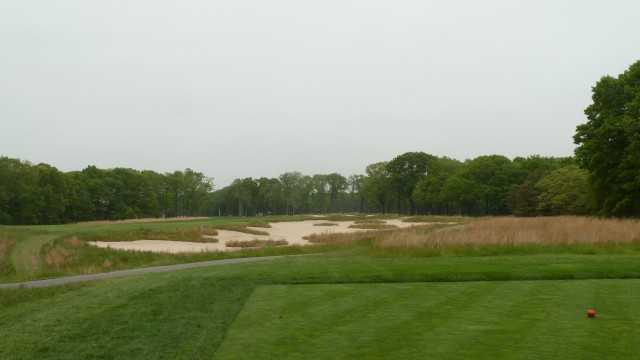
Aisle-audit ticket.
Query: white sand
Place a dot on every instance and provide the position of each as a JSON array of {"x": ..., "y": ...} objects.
[{"x": 292, "y": 231}]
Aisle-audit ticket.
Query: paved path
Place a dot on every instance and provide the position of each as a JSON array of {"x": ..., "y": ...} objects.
[{"x": 155, "y": 269}]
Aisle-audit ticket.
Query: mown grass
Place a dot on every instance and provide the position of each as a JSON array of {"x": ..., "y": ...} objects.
[
  {"x": 187, "y": 314},
  {"x": 244, "y": 228},
  {"x": 471, "y": 320}
]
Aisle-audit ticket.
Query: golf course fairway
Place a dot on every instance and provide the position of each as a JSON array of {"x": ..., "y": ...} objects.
[{"x": 317, "y": 307}]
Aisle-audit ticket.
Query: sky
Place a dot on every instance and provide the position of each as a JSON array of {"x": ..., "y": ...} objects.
[{"x": 244, "y": 88}]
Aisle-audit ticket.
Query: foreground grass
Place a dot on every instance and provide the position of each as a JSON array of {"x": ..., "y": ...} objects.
[
  {"x": 135, "y": 319},
  {"x": 474, "y": 320},
  {"x": 187, "y": 314}
]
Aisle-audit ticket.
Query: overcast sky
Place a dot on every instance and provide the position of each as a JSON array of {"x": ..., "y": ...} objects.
[{"x": 243, "y": 88}]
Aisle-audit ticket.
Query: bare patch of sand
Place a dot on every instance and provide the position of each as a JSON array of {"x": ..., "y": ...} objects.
[{"x": 291, "y": 231}]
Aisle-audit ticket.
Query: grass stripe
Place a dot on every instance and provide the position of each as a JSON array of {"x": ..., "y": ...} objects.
[
  {"x": 187, "y": 314},
  {"x": 480, "y": 320}
]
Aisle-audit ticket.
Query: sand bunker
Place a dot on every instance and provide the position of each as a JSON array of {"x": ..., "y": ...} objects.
[{"x": 291, "y": 231}]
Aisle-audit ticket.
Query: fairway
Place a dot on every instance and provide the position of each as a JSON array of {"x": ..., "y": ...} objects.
[
  {"x": 341, "y": 308},
  {"x": 357, "y": 301},
  {"x": 503, "y": 319}
]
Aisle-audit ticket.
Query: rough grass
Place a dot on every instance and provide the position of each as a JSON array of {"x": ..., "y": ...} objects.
[
  {"x": 373, "y": 226},
  {"x": 340, "y": 238},
  {"x": 201, "y": 234},
  {"x": 438, "y": 219},
  {"x": 5, "y": 261},
  {"x": 66, "y": 252},
  {"x": 511, "y": 231},
  {"x": 325, "y": 224},
  {"x": 255, "y": 243}
]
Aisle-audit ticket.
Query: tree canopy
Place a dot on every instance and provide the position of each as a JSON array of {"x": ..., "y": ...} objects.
[
  {"x": 41, "y": 194},
  {"x": 609, "y": 143},
  {"x": 411, "y": 183}
]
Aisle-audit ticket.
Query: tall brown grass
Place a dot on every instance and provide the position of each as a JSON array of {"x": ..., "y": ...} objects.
[
  {"x": 340, "y": 238},
  {"x": 438, "y": 219},
  {"x": 256, "y": 243},
  {"x": 373, "y": 226},
  {"x": 561, "y": 230},
  {"x": 325, "y": 224},
  {"x": 5, "y": 246},
  {"x": 197, "y": 234},
  {"x": 59, "y": 256}
]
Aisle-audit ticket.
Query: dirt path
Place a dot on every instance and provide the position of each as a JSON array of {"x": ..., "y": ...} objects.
[{"x": 148, "y": 270}]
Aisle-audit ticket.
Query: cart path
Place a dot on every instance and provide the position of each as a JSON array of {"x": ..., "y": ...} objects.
[{"x": 147, "y": 270}]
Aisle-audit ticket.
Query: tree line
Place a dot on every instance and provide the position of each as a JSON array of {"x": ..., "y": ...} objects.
[
  {"x": 418, "y": 183},
  {"x": 41, "y": 194},
  {"x": 411, "y": 183}
]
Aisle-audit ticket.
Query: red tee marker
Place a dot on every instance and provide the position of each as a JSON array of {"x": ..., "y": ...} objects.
[{"x": 591, "y": 313}]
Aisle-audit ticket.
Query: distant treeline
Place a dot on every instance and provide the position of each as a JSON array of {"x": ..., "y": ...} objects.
[
  {"x": 411, "y": 183},
  {"x": 41, "y": 194},
  {"x": 419, "y": 183}
]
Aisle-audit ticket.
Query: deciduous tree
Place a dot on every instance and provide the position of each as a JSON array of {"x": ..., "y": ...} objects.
[
  {"x": 377, "y": 186},
  {"x": 405, "y": 172},
  {"x": 609, "y": 142}
]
